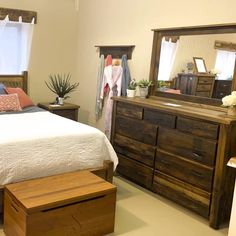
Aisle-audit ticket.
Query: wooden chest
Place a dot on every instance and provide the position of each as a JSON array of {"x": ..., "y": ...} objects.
[{"x": 76, "y": 203}]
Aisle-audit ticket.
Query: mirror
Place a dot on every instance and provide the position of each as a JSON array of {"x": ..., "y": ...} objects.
[{"x": 194, "y": 64}]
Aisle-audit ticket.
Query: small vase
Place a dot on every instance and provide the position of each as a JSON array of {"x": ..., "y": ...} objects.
[
  {"x": 231, "y": 111},
  {"x": 143, "y": 92},
  {"x": 131, "y": 93},
  {"x": 60, "y": 101}
]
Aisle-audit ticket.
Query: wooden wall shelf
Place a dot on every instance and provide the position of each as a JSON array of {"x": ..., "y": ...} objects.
[{"x": 116, "y": 51}]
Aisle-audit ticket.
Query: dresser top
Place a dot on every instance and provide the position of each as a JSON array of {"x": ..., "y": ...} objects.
[{"x": 196, "y": 110}]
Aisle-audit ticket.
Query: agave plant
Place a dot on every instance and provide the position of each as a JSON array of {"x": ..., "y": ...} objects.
[{"x": 60, "y": 85}]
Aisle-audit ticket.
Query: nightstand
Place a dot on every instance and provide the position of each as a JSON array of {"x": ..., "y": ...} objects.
[{"x": 67, "y": 110}]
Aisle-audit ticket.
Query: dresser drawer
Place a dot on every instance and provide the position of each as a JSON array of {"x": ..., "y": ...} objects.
[
  {"x": 204, "y": 87},
  {"x": 189, "y": 171},
  {"x": 205, "y": 80},
  {"x": 141, "y": 152},
  {"x": 159, "y": 118},
  {"x": 189, "y": 146},
  {"x": 186, "y": 195},
  {"x": 199, "y": 128},
  {"x": 206, "y": 94},
  {"x": 135, "y": 171},
  {"x": 136, "y": 129},
  {"x": 129, "y": 110}
]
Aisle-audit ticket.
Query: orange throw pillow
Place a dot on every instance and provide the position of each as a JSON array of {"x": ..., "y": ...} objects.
[{"x": 23, "y": 97}]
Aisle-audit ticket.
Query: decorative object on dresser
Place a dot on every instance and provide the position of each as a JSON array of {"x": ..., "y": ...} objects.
[
  {"x": 144, "y": 85},
  {"x": 61, "y": 86},
  {"x": 200, "y": 65},
  {"x": 67, "y": 110},
  {"x": 195, "y": 84},
  {"x": 179, "y": 150},
  {"x": 131, "y": 91},
  {"x": 76, "y": 203}
]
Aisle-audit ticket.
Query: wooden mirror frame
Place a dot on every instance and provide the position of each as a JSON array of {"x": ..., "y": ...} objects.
[{"x": 181, "y": 31}]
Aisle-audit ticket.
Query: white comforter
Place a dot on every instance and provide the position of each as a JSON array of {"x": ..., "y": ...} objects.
[{"x": 39, "y": 144}]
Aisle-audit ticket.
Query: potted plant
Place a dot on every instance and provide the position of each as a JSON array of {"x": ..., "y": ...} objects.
[
  {"x": 131, "y": 88},
  {"x": 61, "y": 86},
  {"x": 143, "y": 85}
]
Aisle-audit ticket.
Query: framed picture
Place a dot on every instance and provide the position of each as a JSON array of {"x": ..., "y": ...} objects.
[{"x": 200, "y": 65}]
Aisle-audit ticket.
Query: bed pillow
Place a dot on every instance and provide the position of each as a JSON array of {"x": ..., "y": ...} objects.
[
  {"x": 2, "y": 89},
  {"x": 23, "y": 97},
  {"x": 9, "y": 102}
]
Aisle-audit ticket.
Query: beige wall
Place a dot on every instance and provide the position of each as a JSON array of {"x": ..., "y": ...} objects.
[{"x": 61, "y": 28}]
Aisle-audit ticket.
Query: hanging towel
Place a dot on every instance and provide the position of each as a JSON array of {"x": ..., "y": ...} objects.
[
  {"x": 126, "y": 78},
  {"x": 99, "y": 103}
]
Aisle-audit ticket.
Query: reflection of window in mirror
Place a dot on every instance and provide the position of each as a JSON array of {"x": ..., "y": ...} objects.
[
  {"x": 225, "y": 60},
  {"x": 169, "y": 47}
]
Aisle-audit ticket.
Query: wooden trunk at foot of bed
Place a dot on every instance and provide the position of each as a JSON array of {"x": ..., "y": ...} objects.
[{"x": 105, "y": 172}]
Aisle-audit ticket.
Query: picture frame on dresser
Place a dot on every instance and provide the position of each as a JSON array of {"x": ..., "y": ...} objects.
[{"x": 200, "y": 65}]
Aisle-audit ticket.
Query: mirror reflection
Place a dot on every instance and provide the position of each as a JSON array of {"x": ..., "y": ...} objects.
[{"x": 199, "y": 65}]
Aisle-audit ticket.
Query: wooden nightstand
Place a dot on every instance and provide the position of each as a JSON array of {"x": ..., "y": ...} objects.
[{"x": 66, "y": 110}]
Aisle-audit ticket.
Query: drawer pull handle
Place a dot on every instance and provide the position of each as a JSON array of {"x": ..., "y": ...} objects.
[
  {"x": 197, "y": 156},
  {"x": 200, "y": 175}
]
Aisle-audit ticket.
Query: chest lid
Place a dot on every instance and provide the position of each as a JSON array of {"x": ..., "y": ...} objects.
[{"x": 58, "y": 190}]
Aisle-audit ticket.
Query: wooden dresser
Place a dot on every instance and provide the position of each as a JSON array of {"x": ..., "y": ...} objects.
[
  {"x": 195, "y": 84},
  {"x": 178, "y": 150}
]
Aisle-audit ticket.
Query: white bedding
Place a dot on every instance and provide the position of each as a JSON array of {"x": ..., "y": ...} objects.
[{"x": 40, "y": 144}]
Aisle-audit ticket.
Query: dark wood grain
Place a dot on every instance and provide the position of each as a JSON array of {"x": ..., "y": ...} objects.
[
  {"x": 159, "y": 118},
  {"x": 191, "y": 156},
  {"x": 135, "y": 171},
  {"x": 186, "y": 195},
  {"x": 136, "y": 129},
  {"x": 191, "y": 172},
  {"x": 129, "y": 110},
  {"x": 192, "y": 147},
  {"x": 141, "y": 152},
  {"x": 197, "y": 127}
]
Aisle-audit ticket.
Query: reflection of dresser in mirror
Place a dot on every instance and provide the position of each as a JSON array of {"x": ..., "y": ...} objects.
[
  {"x": 221, "y": 88},
  {"x": 195, "y": 84}
]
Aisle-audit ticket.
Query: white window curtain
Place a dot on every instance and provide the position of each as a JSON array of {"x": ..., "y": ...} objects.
[
  {"x": 15, "y": 45},
  {"x": 167, "y": 57},
  {"x": 225, "y": 61}
]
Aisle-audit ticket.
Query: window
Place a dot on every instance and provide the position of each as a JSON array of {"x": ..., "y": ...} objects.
[
  {"x": 15, "y": 40},
  {"x": 225, "y": 61}
]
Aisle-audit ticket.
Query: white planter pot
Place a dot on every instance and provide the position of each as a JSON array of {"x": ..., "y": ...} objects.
[
  {"x": 60, "y": 101},
  {"x": 131, "y": 93},
  {"x": 143, "y": 92}
]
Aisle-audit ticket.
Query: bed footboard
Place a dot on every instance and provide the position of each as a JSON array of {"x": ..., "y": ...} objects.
[{"x": 105, "y": 172}]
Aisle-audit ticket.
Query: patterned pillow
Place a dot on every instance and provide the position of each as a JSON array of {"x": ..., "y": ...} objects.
[
  {"x": 2, "y": 89},
  {"x": 9, "y": 102}
]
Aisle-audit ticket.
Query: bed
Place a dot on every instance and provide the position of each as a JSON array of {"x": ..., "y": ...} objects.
[{"x": 38, "y": 143}]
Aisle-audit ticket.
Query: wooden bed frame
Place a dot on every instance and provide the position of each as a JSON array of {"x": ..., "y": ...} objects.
[{"x": 21, "y": 81}]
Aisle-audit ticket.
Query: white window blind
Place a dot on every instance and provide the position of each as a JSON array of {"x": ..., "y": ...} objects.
[
  {"x": 15, "y": 45},
  {"x": 225, "y": 61}
]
